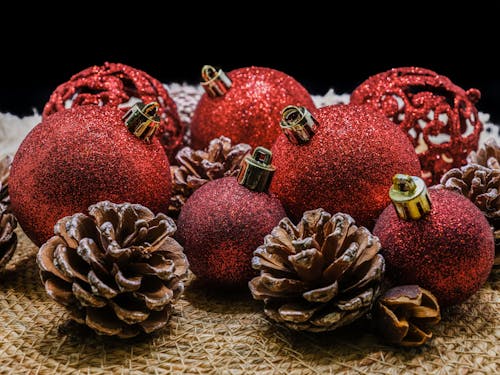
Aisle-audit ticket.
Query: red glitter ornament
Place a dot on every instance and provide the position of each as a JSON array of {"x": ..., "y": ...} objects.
[
  {"x": 449, "y": 251},
  {"x": 222, "y": 224},
  {"x": 115, "y": 85},
  {"x": 439, "y": 117},
  {"x": 80, "y": 156},
  {"x": 244, "y": 105},
  {"x": 343, "y": 162}
]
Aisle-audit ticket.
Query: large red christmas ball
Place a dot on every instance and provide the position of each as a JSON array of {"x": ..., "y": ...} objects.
[
  {"x": 80, "y": 156},
  {"x": 347, "y": 165},
  {"x": 450, "y": 251},
  {"x": 117, "y": 85},
  {"x": 221, "y": 225},
  {"x": 439, "y": 117},
  {"x": 249, "y": 111}
]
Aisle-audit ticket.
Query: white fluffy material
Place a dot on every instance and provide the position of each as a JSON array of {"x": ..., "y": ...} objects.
[{"x": 13, "y": 129}]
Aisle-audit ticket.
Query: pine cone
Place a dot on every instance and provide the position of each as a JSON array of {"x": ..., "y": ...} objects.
[
  {"x": 404, "y": 314},
  {"x": 196, "y": 168},
  {"x": 4, "y": 179},
  {"x": 8, "y": 238},
  {"x": 317, "y": 276},
  {"x": 117, "y": 270},
  {"x": 480, "y": 182},
  {"x": 488, "y": 156}
]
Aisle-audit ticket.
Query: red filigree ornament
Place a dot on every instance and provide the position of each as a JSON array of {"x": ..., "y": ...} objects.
[
  {"x": 120, "y": 86},
  {"x": 439, "y": 117}
]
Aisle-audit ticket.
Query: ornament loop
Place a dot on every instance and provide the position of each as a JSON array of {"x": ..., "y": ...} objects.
[
  {"x": 256, "y": 170},
  {"x": 410, "y": 197},
  {"x": 298, "y": 124},
  {"x": 142, "y": 120},
  {"x": 215, "y": 82}
]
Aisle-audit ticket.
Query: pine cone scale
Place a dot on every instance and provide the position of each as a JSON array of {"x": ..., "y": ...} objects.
[{"x": 86, "y": 298}]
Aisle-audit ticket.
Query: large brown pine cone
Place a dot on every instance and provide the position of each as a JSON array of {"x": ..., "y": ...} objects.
[
  {"x": 4, "y": 180},
  {"x": 8, "y": 238},
  {"x": 317, "y": 276},
  {"x": 480, "y": 182},
  {"x": 117, "y": 270},
  {"x": 196, "y": 168}
]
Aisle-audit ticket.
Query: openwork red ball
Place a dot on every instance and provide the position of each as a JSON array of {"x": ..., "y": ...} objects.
[
  {"x": 439, "y": 117},
  {"x": 347, "y": 166},
  {"x": 449, "y": 252},
  {"x": 221, "y": 225},
  {"x": 249, "y": 112},
  {"x": 115, "y": 85},
  {"x": 80, "y": 156}
]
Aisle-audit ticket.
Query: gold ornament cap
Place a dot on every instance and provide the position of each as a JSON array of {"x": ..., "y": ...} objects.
[
  {"x": 142, "y": 120},
  {"x": 256, "y": 170},
  {"x": 410, "y": 197},
  {"x": 215, "y": 82},
  {"x": 298, "y": 124}
]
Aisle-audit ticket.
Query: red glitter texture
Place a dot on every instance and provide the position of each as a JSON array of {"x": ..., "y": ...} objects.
[
  {"x": 449, "y": 252},
  {"x": 439, "y": 117},
  {"x": 115, "y": 84},
  {"x": 250, "y": 111},
  {"x": 347, "y": 166},
  {"x": 78, "y": 157},
  {"x": 221, "y": 225}
]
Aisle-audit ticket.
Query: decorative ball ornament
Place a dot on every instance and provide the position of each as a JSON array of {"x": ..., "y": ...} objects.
[
  {"x": 341, "y": 159},
  {"x": 437, "y": 239},
  {"x": 244, "y": 105},
  {"x": 225, "y": 220},
  {"x": 439, "y": 117},
  {"x": 117, "y": 85},
  {"x": 83, "y": 155}
]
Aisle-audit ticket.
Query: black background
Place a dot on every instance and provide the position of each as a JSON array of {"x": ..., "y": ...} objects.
[{"x": 321, "y": 48}]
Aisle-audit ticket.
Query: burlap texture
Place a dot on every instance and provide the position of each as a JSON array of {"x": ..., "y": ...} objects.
[{"x": 221, "y": 333}]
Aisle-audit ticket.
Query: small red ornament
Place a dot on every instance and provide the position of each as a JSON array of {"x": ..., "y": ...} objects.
[
  {"x": 225, "y": 220},
  {"x": 83, "y": 155},
  {"x": 244, "y": 105},
  {"x": 440, "y": 241},
  {"x": 341, "y": 160},
  {"x": 439, "y": 117},
  {"x": 115, "y": 85}
]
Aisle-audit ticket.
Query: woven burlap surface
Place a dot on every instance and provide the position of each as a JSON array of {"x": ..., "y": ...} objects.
[
  {"x": 222, "y": 333},
  {"x": 215, "y": 332}
]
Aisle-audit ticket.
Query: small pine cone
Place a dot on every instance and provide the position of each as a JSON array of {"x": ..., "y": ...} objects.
[
  {"x": 117, "y": 270},
  {"x": 317, "y": 276},
  {"x": 4, "y": 180},
  {"x": 480, "y": 182},
  {"x": 488, "y": 156},
  {"x": 196, "y": 168},
  {"x": 8, "y": 238},
  {"x": 403, "y": 315}
]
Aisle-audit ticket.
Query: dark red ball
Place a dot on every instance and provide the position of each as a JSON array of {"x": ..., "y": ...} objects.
[
  {"x": 249, "y": 112},
  {"x": 221, "y": 225},
  {"x": 449, "y": 252},
  {"x": 116, "y": 85},
  {"x": 347, "y": 166},
  {"x": 80, "y": 156}
]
